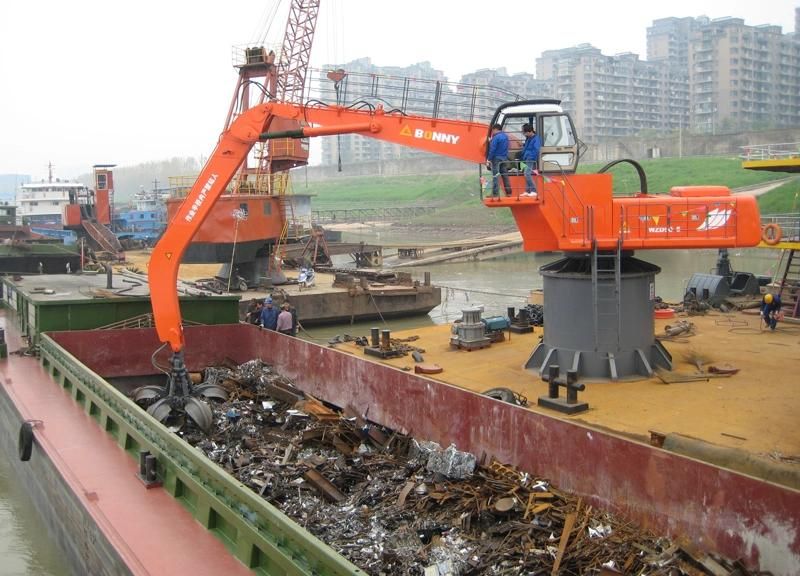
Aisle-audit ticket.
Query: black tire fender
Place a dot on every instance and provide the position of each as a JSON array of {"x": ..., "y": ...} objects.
[
  {"x": 25, "y": 441},
  {"x": 503, "y": 394}
]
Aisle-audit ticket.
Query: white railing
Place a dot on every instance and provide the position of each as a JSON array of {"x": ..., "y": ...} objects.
[
  {"x": 789, "y": 223},
  {"x": 771, "y": 151}
]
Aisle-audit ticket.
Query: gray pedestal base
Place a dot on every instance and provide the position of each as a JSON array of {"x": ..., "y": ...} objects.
[
  {"x": 609, "y": 365},
  {"x": 599, "y": 324}
]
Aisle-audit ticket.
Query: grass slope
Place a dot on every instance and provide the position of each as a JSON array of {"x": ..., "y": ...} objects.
[{"x": 783, "y": 199}]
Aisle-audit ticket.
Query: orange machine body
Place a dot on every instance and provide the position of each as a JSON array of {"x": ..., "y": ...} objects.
[
  {"x": 574, "y": 211},
  {"x": 264, "y": 219}
]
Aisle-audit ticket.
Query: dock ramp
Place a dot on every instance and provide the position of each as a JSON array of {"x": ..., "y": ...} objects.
[{"x": 104, "y": 238}]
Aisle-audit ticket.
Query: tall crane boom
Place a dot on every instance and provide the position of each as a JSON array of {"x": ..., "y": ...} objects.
[{"x": 296, "y": 50}]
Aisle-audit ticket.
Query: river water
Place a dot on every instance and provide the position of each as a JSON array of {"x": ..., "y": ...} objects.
[
  {"x": 25, "y": 549},
  {"x": 495, "y": 284}
]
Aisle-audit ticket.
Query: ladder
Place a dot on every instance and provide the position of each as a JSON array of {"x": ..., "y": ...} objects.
[
  {"x": 790, "y": 284},
  {"x": 607, "y": 294},
  {"x": 280, "y": 189}
]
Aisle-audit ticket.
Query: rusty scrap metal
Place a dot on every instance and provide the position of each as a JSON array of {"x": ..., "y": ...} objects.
[
  {"x": 682, "y": 328},
  {"x": 323, "y": 485},
  {"x": 370, "y": 494}
]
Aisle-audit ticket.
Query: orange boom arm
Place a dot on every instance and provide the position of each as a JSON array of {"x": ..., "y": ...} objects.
[{"x": 464, "y": 140}]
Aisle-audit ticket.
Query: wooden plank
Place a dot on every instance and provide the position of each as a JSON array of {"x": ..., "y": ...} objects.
[{"x": 569, "y": 522}]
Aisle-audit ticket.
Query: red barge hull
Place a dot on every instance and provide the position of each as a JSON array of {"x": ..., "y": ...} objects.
[{"x": 712, "y": 508}]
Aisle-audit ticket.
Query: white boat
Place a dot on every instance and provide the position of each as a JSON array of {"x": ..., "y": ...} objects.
[{"x": 42, "y": 203}]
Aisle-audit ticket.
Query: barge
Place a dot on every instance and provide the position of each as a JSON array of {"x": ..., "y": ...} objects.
[
  {"x": 82, "y": 377},
  {"x": 325, "y": 303}
]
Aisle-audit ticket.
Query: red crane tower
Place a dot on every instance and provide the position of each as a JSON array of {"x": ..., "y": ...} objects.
[{"x": 251, "y": 220}]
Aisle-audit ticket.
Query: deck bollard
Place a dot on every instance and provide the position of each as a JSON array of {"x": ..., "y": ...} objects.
[
  {"x": 149, "y": 468},
  {"x": 148, "y": 472},
  {"x": 552, "y": 377},
  {"x": 386, "y": 341},
  {"x": 568, "y": 405},
  {"x": 143, "y": 454}
]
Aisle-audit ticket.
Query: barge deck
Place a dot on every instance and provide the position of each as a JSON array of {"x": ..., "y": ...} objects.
[
  {"x": 752, "y": 410},
  {"x": 87, "y": 490}
]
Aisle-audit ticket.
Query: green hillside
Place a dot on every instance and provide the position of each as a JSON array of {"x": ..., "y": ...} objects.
[
  {"x": 784, "y": 199},
  {"x": 457, "y": 196}
]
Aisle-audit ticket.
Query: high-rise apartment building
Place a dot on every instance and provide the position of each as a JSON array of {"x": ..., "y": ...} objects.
[
  {"x": 419, "y": 89},
  {"x": 700, "y": 74},
  {"x": 743, "y": 77},
  {"x": 409, "y": 88},
  {"x": 522, "y": 84},
  {"x": 613, "y": 96},
  {"x": 668, "y": 41},
  {"x": 797, "y": 21},
  {"x": 738, "y": 76}
]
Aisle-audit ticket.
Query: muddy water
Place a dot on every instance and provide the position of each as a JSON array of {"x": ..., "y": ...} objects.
[{"x": 25, "y": 549}]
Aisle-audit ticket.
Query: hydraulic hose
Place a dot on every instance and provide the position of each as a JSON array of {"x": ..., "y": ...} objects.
[{"x": 636, "y": 165}]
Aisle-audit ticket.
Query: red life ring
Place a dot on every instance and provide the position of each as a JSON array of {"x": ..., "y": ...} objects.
[
  {"x": 663, "y": 313},
  {"x": 771, "y": 234}
]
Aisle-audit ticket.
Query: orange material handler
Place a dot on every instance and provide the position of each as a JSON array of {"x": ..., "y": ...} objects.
[{"x": 572, "y": 212}]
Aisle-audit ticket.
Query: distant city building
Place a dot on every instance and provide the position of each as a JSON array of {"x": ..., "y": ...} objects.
[
  {"x": 739, "y": 76},
  {"x": 701, "y": 75},
  {"x": 668, "y": 41},
  {"x": 10, "y": 183},
  {"x": 409, "y": 88},
  {"x": 523, "y": 84},
  {"x": 419, "y": 89},
  {"x": 743, "y": 77},
  {"x": 614, "y": 96}
]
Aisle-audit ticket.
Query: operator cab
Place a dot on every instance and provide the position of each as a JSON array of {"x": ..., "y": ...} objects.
[{"x": 560, "y": 146}]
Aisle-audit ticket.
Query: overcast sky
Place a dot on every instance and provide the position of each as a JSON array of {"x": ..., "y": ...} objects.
[{"x": 88, "y": 82}]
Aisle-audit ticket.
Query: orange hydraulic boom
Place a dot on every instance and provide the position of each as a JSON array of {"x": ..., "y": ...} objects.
[{"x": 573, "y": 212}]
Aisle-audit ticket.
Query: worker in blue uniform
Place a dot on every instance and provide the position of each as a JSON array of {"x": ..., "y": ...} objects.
[
  {"x": 771, "y": 309},
  {"x": 269, "y": 315},
  {"x": 497, "y": 160},
  {"x": 530, "y": 158}
]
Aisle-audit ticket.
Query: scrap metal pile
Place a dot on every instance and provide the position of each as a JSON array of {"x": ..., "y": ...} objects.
[
  {"x": 535, "y": 314},
  {"x": 395, "y": 505}
]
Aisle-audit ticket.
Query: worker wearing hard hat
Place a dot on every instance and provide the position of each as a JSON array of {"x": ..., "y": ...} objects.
[
  {"x": 269, "y": 315},
  {"x": 771, "y": 309}
]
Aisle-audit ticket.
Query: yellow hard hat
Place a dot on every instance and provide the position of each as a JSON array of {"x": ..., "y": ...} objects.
[{"x": 768, "y": 298}]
